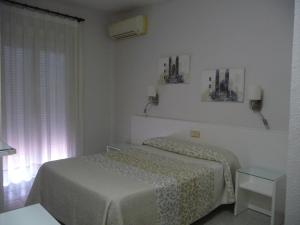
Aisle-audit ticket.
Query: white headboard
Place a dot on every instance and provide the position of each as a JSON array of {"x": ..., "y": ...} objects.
[{"x": 254, "y": 147}]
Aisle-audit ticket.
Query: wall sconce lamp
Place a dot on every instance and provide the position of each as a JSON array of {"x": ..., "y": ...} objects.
[
  {"x": 153, "y": 98},
  {"x": 255, "y": 96}
]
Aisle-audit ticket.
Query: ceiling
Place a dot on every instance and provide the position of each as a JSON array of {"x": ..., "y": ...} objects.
[{"x": 114, "y": 5}]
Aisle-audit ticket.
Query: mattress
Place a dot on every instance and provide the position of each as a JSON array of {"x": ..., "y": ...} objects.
[{"x": 96, "y": 190}]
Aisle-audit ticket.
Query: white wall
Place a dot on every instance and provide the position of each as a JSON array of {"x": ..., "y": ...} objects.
[
  {"x": 97, "y": 56},
  {"x": 256, "y": 35},
  {"x": 293, "y": 165}
]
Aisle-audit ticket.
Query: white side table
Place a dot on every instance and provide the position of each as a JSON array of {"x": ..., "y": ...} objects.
[
  {"x": 5, "y": 150},
  {"x": 33, "y": 215},
  {"x": 261, "y": 190},
  {"x": 117, "y": 147}
]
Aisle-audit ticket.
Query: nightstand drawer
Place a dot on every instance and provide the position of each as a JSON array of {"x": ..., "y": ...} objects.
[
  {"x": 256, "y": 184},
  {"x": 117, "y": 147},
  {"x": 111, "y": 147}
]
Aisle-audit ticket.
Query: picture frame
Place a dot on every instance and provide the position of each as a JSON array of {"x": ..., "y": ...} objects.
[{"x": 223, "y": 85}]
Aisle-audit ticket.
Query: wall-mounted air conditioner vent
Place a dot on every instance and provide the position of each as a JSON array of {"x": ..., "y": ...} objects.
[{"x": 128, "y": 28}]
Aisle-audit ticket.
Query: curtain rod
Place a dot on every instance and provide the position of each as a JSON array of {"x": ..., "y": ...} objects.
[{"x": 44, "y": 10}]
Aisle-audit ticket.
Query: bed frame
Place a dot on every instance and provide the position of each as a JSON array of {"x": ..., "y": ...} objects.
[{"x": 254, "y": 147}]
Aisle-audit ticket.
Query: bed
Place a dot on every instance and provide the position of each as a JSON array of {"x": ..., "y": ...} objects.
[{"x": 165, "y": 181}]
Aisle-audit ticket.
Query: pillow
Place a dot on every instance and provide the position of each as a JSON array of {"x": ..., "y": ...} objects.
[{"x": 190, "y": 148}]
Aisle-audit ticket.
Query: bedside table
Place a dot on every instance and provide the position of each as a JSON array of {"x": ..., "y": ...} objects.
[
  {"x": 261, "y": 190},
  {"x": 117, "y": 147},
  {"x": 33, "y": 215}
]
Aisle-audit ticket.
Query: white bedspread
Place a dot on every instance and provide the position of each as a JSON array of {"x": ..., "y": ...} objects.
[{"x": 78, "y": 191}]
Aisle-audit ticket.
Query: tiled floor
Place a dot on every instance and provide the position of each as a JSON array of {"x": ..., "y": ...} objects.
[
  {"x": 15, "y": 196},
  {"x": 224, "y": 216}
]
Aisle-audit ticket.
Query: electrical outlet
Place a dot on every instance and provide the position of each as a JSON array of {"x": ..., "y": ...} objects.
[{"x": 195, "y": 133}]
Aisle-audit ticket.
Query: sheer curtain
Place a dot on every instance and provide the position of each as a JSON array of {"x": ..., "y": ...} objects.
[{"x": 39, "y": 88}]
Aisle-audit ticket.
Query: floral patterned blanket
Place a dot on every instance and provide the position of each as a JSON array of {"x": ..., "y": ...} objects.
[{"x": 133, "y": 186}]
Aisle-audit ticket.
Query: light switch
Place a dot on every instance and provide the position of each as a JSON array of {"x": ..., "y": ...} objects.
[{"x": 195, "y": 133}]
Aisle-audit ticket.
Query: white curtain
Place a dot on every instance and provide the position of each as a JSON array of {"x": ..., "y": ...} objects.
[{"x": 39, "y": 88}]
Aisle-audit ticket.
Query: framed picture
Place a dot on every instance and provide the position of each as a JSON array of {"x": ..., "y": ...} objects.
[
  {"x": 174, "y": 69},
  {"x": 223, "y": 85}
]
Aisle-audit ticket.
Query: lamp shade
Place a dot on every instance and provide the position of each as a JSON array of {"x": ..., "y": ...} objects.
[
  {"x": 254, "y": 92},
  {"x": 151, "y": 91}
]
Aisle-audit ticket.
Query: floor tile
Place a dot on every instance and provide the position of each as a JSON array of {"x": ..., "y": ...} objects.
[{"x": 223, "y": 215}]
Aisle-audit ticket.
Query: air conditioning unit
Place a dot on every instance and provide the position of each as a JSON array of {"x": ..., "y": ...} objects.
[{"x": 128, "y": 28}]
